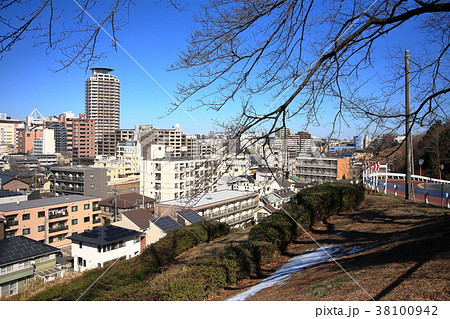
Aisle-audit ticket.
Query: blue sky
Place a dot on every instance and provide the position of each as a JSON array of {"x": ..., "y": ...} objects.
[{"x": 154, "y": 36}]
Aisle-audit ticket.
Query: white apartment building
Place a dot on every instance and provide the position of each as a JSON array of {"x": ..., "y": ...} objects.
[
  {"x": 45, "y": 145},
  {"x": 233, "y": 207},
  {"x": 166, "y": 178}
]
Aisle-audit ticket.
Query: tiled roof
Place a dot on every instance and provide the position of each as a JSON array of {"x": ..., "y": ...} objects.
[
  {"x": 105, "y": 235},
  {"x": 126, "y": 201},
  {"x": 22, "y": 248},
  {"x": 166, "y": 224},
  {"x": 191, "y": 216},
  {"x": 140, "y": 217}
]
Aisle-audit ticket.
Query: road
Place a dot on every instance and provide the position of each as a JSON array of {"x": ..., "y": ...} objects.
[{"x": 436, "y": 194}]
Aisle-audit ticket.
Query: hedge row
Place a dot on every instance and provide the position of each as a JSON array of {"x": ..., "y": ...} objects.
[
  {"x": 201, "y": 278},
  {"x": 133, "y": 271},
  {"x": 306, "y": 209}
]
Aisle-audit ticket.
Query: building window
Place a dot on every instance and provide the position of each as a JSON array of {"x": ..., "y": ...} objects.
[
  {"x": 86, "y": 206},
  {"x": 86, "y": 219},
  {"x": 80, "y": 245},
  {"x": 41, "y": 214},
  {"x": 45, "y": 258},
  {"x": 74, "y": 221},
  {"x": 9, "y": 289},
  {"x": 26, "y": 231},
  {"x": 91, "y": 186},
  {"x": 41, "y": 228},
  {"x": 25, "y": 216},
  {"x": 74, "y": 208}
]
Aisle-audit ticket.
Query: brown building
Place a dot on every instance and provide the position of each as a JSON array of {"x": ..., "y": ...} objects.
[
  {"x": 125, "y": 202},
  {"x": 321, "y": 169},
  {"x": 51, "y": 220},
  {"x": 26, "y": 138}
]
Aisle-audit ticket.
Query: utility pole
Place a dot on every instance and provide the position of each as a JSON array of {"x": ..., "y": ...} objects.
[{"x": 408, "y": 185}]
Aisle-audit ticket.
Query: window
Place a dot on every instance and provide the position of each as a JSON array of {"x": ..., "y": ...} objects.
[
  {"x": 74, "y": 208},
  {"x": 91, "y": 176},
  {"x": 74, "y": 221},
  {"x": 91, "y": 186},
  {"x": 41, "y": 228},
  {"x": 26, "y": 231},
  {"x": 41, "y": 214},
  {"x": 45, "y": 258},
  {"x": 9, "y": 289},
  {"x": 25, "y": 216},
  {"x": 86, "y": 219},
  {"x": 80, "y": 245},
  {"x": 86, "y": 206}
]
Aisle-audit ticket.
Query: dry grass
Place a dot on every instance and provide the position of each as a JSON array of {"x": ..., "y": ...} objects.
[{"x": 405, "y": 256}]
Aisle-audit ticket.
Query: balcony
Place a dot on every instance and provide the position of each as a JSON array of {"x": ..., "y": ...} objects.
[
  {"x": 58, "y": 228},
  {"x": 52, "y": 214},
  {"x": 11, "y": 223}
]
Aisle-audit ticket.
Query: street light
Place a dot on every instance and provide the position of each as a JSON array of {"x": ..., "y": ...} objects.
[{"x": 420, "y": 166}]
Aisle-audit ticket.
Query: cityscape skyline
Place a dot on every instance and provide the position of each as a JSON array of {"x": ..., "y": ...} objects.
[{"x": 146, "y": 85}]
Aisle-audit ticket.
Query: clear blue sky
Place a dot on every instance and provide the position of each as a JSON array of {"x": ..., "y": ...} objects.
[{"x": 154, "y": 36}]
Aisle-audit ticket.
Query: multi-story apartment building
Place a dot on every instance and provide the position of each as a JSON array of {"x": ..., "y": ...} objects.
[
  {"x": 25, "y": 139},
  {"x": 103, "y": 106},
  {"x": 60, "y": 134},
  {"x": 109, "y": 146},
  {"x": 321, "y": 169},
  {"x": 235, "y": 208},
  {"x": 176, "y": 142},
  {"x": 165, "y": 178},
  {"x": 8, "y": 134},
  {"x": 82, "y": 132},
  {"x": 79, "y": 180},
  {"x": 51, "y": 220}
]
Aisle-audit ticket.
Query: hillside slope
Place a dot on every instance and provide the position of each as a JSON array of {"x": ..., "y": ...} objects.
[{"x": 405, "y": 256}]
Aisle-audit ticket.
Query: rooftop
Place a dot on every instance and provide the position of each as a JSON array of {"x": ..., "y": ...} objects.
[
  {"x": 105, "y": 235},
  {"x": 140, "y": 217},
  {"x": 21, "y": 248},
  {"x": 125, "y": 201},
  {"x": 166, "y": 224},
  {"x": 8, "y": 207},
  {"x": 191, "y": 216},
  {"x": 208, "y": 198}
]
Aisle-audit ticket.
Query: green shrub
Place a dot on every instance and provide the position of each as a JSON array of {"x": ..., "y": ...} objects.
[{"x": 262, "y": 254}]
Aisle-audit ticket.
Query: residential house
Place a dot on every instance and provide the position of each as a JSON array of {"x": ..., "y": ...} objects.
[
  {"x": 136, "y": 219},
  {"x": 160, "y": 227},
  {"x": 188, "y": 217},
  {"x": 112, "y": 207},
  {"x": 97, "y": 247},
  {"x": 22, "y": 259}
]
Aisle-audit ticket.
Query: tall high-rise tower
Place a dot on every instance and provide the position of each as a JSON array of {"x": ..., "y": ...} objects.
[{"x": 103, "y": 105}]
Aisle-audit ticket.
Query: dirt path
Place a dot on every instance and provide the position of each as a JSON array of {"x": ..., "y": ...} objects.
[{"x": 405, "y": 256}]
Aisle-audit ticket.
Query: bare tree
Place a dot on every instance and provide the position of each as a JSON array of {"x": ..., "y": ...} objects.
[{"x": 297, "y": 54}]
